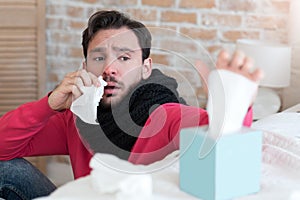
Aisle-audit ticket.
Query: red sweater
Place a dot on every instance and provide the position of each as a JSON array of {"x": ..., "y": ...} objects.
[{"x": 34, "y": 129}]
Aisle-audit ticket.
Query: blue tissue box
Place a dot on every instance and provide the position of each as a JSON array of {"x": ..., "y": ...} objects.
[{"x": 227, "y": 167}]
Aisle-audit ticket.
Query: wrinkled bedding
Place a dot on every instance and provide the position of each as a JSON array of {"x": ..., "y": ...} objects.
[
  {"x": 280, "y": 176},
  {"x": 280, "y": 168}
]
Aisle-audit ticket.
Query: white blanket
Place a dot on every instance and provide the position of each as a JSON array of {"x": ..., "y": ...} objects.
[{"x": 280, "y": 176}]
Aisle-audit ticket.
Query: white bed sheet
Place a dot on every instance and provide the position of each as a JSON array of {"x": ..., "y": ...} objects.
[{"x": 280, "y": 172}]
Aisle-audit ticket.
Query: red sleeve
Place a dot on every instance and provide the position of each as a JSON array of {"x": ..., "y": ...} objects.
[
  {"x": 248, "y": 118},
  {"x": 32, "y": 129},
  {"x": 160, "y": 135}
]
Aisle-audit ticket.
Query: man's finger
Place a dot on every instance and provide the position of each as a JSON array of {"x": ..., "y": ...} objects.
[
  {"x": 237, "y": 60},
  {"x": 247, "y": 65},
  {"x": 94, "y": 79},
  {"x": 257, "y": 75},
  {"x": 76, "y": 92},
  {"x": 84, "y": 75},
  {"x": 223, "y": 60}
]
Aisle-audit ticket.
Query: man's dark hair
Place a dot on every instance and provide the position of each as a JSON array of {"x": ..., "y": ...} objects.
[{"x": 103, "y": 20}]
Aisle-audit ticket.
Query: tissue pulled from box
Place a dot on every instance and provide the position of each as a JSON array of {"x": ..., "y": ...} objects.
[
  {"x": 85, "y": 106},
  {"x": 229, "y": 97}
]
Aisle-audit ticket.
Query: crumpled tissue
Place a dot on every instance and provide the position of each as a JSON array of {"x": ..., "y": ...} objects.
[
  {"x": 230, "y": 96},
  {"x": 85, "y": 106},
  {"x": 107, "y": 179}
]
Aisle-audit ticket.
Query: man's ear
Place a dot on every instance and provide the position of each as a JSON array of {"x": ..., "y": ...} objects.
[
  {"x": 147, "y": 68},
  {"x": 84, "y": 64}
]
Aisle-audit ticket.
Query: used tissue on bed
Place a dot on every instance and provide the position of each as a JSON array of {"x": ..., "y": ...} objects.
[
  {"x": 223, "y": 160},
  {"x": 85, "y": 106},
  {"x": 113, "y": 176}
]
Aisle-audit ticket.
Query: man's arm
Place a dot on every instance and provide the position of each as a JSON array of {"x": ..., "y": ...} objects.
[
  {"x": 40, "y": 127},
  {"x": 167, "y": 120},
  {"x": 160, "y": 135},
  {"x": 32, "y": 129}
]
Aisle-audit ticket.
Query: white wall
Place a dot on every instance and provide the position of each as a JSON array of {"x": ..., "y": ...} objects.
[{"x": 291, "y": 95}]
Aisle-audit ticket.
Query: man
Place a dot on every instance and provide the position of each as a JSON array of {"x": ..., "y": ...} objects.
[{"x": 117, "y": 48}]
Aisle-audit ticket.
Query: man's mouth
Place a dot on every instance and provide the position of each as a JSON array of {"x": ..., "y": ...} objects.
[{"x": 111, "y": 89}]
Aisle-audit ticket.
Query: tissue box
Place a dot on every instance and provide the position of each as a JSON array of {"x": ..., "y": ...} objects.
[{"x": 230, "y": 169}]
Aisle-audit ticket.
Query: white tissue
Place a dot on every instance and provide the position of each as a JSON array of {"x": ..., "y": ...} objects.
[
  {"x": 230, "y": 95},
  {"x": 85, "y": 106},
  {"x": 108, "y": 180}
]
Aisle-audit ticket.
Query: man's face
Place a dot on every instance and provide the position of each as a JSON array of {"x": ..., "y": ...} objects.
[{"x": 117, "y": 56}]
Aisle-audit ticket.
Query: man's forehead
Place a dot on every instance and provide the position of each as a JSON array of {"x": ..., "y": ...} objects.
[{"x": 115, "y": 39}]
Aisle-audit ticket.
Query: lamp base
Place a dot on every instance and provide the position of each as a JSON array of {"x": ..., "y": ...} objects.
[{"x": 267, "y": 102}]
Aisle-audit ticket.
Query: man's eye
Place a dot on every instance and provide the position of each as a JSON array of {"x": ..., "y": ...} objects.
[
  {"x": 99, "y": 58},
  {"x": 124, "y": 58}
]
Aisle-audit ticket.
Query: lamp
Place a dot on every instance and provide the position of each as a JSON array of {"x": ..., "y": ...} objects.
[{"x": 275, "y": 61}]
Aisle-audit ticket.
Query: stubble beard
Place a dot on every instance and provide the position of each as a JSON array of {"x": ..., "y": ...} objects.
[{"x": 116, "y": 100}]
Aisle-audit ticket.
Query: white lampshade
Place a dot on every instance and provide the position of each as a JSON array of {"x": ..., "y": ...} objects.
[
  {"x": 275, "y": 61},
  {"x": 273, "y": 58}
]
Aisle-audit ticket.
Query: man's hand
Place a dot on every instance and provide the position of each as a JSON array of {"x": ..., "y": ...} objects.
[
  {"x": 69, "y": 89},
  {"x": 240, "y": 64}
]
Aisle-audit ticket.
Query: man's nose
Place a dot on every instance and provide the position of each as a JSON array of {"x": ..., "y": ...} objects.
[{"x": 110, "y": 67}]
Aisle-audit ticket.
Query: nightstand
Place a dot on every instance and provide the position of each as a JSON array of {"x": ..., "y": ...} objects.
[{"x": 295, "y": 108}]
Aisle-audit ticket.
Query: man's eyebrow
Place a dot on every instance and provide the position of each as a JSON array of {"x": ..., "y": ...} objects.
[
  {"x": 98, "y": 49},
  {"x": 123, "y": 49},
  {"x": 117, "y": 49}
]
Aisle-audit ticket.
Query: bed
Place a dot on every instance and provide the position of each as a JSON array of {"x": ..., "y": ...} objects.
[{"x": 280, "y": 168}]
